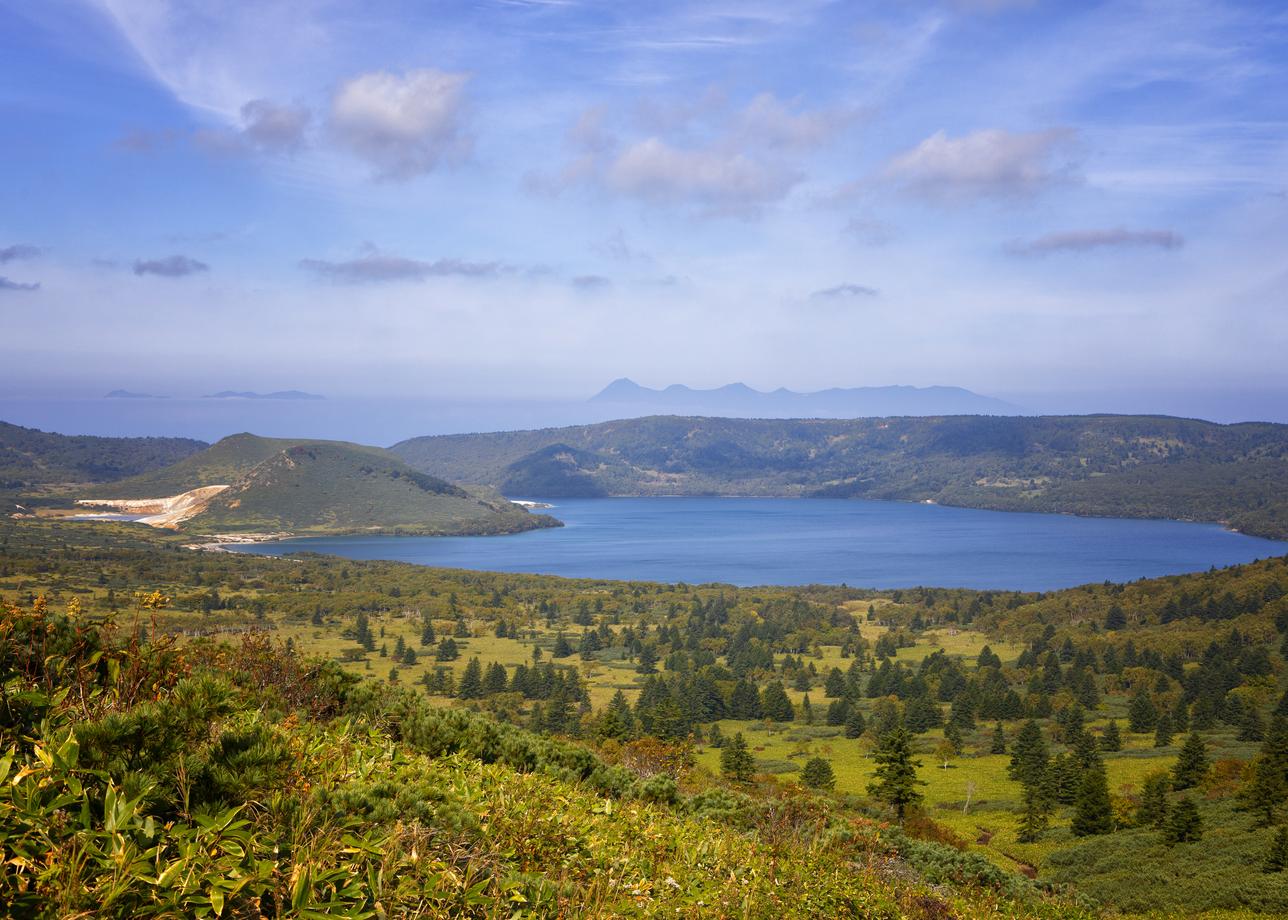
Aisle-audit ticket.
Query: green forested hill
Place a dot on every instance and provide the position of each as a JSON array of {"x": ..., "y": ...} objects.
[
  {"x": 30, "y": 458},
  {"x": 333, "y": 487},
  {"x": 1133, "y": 466},
  {"x": 222, "y": 463}
]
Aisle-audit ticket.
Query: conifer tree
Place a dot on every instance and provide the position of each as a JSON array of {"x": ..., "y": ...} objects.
[
  {"x": 736, "y": 762},
  {"x": 1153, "y": 808},
  {"x": 1252, "y": 728},
  {"x": 775, "y": 703},
  {"x": 1192, "y": 764},
  {"x": 362, "y": 632},
  {"x": 447, "y": 650},
  {"x": 744, "y": 702},
  {"x": 471, "y": 685},
  {"x": 562, "y": 647},
  {"x": 1029, "y": 755},
  {"x": 1037, "y": 811},
  {"x": 1142, "y": 715},
  {"x": 818, "y": 774},
  {"x": 1163, "y": 732},
  {"x": 427, "y": 637},
  {"x": 1184, "y": 824},
  {"x": 953, "y": 736},
  {"x": 1266, "y": 791},
  {"x": 1112, "y": 739},
  {"x": 834, "y": 686},
  {"x": 999, "y": 740},
  {"x": 896, "y": 772},
  {"x": 855, "y": 724},
  {"x": 1093, "y": 811}
]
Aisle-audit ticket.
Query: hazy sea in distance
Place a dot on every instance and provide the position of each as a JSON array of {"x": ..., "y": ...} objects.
[{"x": 752, "y": 541}]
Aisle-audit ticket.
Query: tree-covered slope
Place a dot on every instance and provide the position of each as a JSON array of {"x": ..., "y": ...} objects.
[
  {"x": 222, "y": 463},
  {"x": 30, "y": 458},
  {"x": 338, "y": 488},
  {"x": 1134, "y": 466}
]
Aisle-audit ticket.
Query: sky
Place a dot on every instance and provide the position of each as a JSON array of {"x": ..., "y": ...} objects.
[{"x": 1073, "y": 205}]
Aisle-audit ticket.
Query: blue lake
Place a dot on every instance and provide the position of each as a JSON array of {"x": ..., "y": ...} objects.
[{"x": 752, "y": 541}]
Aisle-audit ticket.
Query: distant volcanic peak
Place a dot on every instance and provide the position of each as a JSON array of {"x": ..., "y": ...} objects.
[{"x": 250, "y": 394}]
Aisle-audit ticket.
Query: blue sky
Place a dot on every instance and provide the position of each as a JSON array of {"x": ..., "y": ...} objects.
[{"x": 528, "y": 198}]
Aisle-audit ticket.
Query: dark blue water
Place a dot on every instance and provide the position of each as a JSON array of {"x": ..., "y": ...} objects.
[{"x": 753, "y": 541}]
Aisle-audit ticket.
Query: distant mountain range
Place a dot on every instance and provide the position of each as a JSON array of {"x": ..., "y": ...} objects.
[
  {"x": 737, "y": 400},
  {"x": 130, "y": 394},
  {"x": 249, "y": 394}
]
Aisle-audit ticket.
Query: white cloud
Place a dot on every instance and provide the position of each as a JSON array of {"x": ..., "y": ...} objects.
[
  {"x": 988, "y": 163},
  {"x": 720, "y": 182},
  {"x": 404, "y": 126}
]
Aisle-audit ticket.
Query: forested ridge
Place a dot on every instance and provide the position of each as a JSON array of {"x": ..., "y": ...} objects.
[{"x": 1130, "y": 466}]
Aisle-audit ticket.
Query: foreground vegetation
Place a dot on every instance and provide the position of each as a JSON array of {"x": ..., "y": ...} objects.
[
  {"x": 1122, "y": 466},
  {"x": 1048, "y": 736},
  {"x": 143, "y": 779}
]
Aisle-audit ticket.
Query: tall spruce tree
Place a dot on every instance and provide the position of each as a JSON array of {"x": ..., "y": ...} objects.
[
  {"x": 1192, "y": 763},
  {"x": 1266, "y": 791},
  {"x": 1184, "y": 824},
  {"x": 471, "y": 685},
  {"x": 896, "y": 773},
  {"x": 1153, "y": 807},
  {"x": 999, "y": 740},
  {"x": 1029, "y": 755},
  {"x": 775, "y": 703},
  {"x": 1142, "y": 714},
  {"x": 736, "y": 762},
  {"x": 1112, "y": 739},
  {"x": 1093, "y": 811}
]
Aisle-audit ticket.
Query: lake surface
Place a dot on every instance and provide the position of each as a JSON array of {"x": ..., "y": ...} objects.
[{"x": 752, "y": 541}]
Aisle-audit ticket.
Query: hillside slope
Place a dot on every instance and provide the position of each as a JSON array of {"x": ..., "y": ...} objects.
[
  {"x": 222, "y": 463},
  {"x": 1131, "y": 466},
  {"x": 337, "y": 488},
  {"x": 30, "y": 458}
]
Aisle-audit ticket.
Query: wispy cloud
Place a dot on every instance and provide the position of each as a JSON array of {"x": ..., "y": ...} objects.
[
  {"x": 18, "y": 251},
  {"x": 844, "y": 291},
  {"x": 1087, "y": 240},
  {"x": 7, "y": 285},
  {"x": 176, "y": 266},
  {"x": 992, "y": 163},
  {"x": 376, "y": 267},
  {"x": 591, "y": 282}
]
